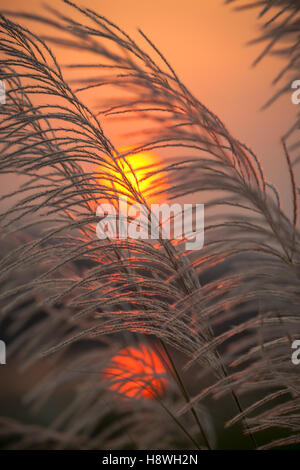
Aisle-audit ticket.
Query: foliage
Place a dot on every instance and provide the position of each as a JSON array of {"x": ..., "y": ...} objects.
[{"x": 230, "y": 309}]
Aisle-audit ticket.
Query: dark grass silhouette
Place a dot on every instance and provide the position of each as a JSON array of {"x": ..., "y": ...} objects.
[{"x": 231, "y": 309}]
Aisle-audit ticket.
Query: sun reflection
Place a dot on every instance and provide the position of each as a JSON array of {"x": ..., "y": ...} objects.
[{"x": 137, "y": 372}]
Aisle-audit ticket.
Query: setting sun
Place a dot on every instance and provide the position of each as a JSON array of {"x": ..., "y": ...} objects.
[{"x": 139, "y": 169}]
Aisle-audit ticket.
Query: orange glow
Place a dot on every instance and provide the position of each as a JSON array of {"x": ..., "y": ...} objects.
[
  {"x": 137, "y": 372},
  {"x": 138, "y": 169},
  {"x": 205, "y": 44}
]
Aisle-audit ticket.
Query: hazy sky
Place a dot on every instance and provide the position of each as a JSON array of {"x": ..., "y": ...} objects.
[{"x": 205, "y": 41}]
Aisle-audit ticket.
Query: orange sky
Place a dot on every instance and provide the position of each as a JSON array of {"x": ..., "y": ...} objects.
[{"x": 204, "y": 40}]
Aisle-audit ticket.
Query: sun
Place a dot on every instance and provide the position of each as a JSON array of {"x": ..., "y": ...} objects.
[
  {"x": 141, "y": 171},
  {"x": 137, "y": 372}
]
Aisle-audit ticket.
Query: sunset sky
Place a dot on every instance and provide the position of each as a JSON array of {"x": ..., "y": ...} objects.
[{"x": 205, "y": 41}]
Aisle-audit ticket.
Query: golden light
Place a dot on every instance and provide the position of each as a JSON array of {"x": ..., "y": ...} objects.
[
  {"x": 137, "y": 372},
  {"x": 139, "y": 169}
]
